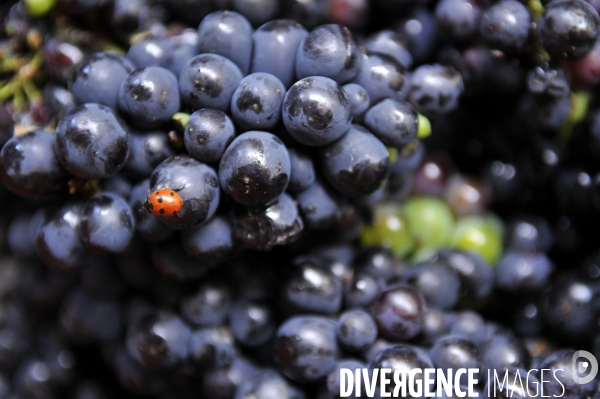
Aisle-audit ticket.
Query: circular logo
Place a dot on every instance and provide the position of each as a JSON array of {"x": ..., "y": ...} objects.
[{"x": 584, "y": 371}]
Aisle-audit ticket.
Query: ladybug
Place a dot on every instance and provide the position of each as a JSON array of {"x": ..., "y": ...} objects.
[{"x": 164, "y": 203}]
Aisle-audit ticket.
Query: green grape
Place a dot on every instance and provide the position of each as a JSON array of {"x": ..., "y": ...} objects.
[
  {"x": 424, "y": 129},
  {"x": 430, "y": 222},
  {"x": 37, "y": 8},
  {"x": 389, "y": 230},
  {"x": 480, "y": 234}
]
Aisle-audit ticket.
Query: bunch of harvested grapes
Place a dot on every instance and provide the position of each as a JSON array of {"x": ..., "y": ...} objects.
[{"x": 253, "y": 199}]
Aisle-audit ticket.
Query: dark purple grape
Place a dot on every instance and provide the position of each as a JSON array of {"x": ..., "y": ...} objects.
[
  {"x": 118, "y": 184},
  {"x": 92, "y": 141},
  {"x": 389, "y": 43},
  {"x": 172, "y": 262},
  {"x": 362, "y": 291},
  {"x": 439, "y": 284},
  {"x": 275, "y": 46},
  {"x": 501, "y": 353},
  {"x": 356, "y": 330},
  {"x": 252, "y": 322},
  {"x": 30, "y": 168},
  {"x": 149, "y": 96},
  {"x": 319, "y": 206},
  {"x": 419, "y": 29},
  {"x": 210, "y": 243},
  {"x": 403, "y": 358},
  {"x": 566, "y": 369},
  {"x": 261, "y": 228},
  {"x": 229, "y": 34},
  {"x": 436, "y": 323},
  {"x": 223, "y": 383},
  {"x": 454, "y": 353},
  {"x": 208, "y": 306},
  {"x": 435, "y": 89},
  {"x": 505, "y": 26},
  {"x": 57, "y": 239},
  {"x": 256, "y": 103},
  {"x": 382, "y": 77},
  {"x": 458, "y": 19},
  {"x": 316, "y": 111},
  {"x": 522, "y": 272},
  {"x": 528, "y": 233},
  {"x": 146, "y": 151},
  {"x": 22, "y": 231},
  {"x": 97, "y": 78},
  {"x": 255, "y": 168},
  {"x": 212, "y": 347},
  {"x": 476, "y": 276},
  {"x": 149, "y": 51},
  {"x": 329, "y": 51},
  {"x": 196, "y": 183},
  {"x": 310, "y": 288},
  {"x": 209, "y": 80},
  {"x": 568, "y": 29},
  {"x": 181, "y": 49},
  {"x": 359, "y": 99},
  {"x": 469, "y": 325},
  {"x": 399, "y": 313},
  {"x": 207, "y": 134},
  {"x": 302, "y": 172},
  {"x": 106, "y": 223},
  {"x": 306, "y": 348},
  {"x": 266, "y": 385},
  {"x": 357, "y": 164},
  {"x": 158, "y": 341},
  {"x": 393, "y": 121}
]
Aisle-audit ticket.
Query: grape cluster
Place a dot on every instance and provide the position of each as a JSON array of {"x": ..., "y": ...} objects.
[{"x": 238, "y": 198}]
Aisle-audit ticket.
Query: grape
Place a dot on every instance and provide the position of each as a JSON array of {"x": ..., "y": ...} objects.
[
  {"x": 146, "y": 226},
  {"x": 505, "y": 26},
  {"x": 306, "y": 348},
  {"x": 329, "y": 51},
  {"x": 319, "y": 206},
  {"x": 389, "y": 229},
  {"x": 275, "y": 46},
  {"x": 148, "y": 97},
  {"x": 316, "y": 111},
  {"x": 210, "y": 243},
  {"x": 359, "y": 99},
  {"x": 356, "y": 330},
  {"x": 357, "y": 164},
  {"x": 30, "y": 168},
  {"x": 435, "y": 89},
  {"x": 229, "y": 34},
  {"x": 458, "y": 18},
  {"x": 208, "y": 133},
  {"x": 399, "y": 312},
  {"x": 481, "y": 235},
  {"x": 382, "y": 77},
  {"x": 312, "y": 289},
  {"x": 57, "y": 239},
  {"x": 146, "y": 151},
  {"x": 430, "y": 222},
  {"x": 389, "y": 43},
  {"x": 569, "y": 28},
  {"x": 149, "y": 51},
  {"x": 106, "y": 223},
  {"x": 256, "y": 103},
  {"x": 212, "y": 347},
  {"x": 393, "y": 122},
  {"x": 98, "y": 77},
  {"x": 302, "y": 171},
  {"x": 261, "y": 228},
  {"x": 255, "y": 168},
  {"x": 92, "y": 141},
  {"x": 208, "y": 80}
]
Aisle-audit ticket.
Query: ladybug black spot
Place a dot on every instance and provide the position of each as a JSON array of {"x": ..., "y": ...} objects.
[
  {"x": 172, "y": 193},
  {"x": 161, "y": 211},
  {"x": 174, "y": 212}
]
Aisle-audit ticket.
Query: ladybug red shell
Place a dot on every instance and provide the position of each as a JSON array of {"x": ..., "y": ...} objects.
[{"x": 164, "y": 203}]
